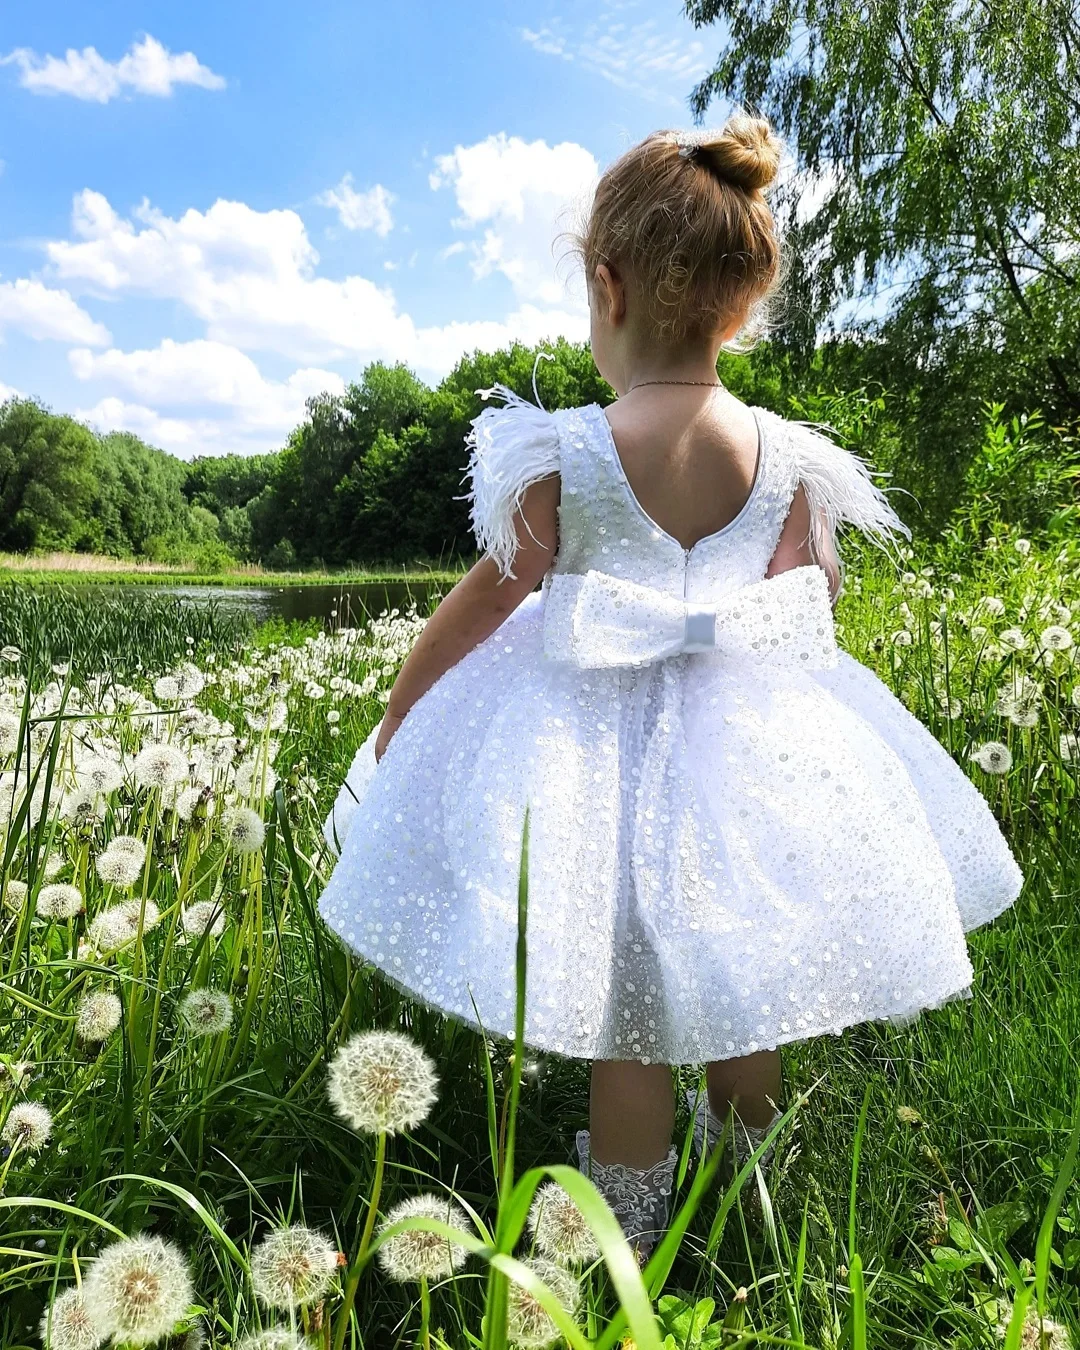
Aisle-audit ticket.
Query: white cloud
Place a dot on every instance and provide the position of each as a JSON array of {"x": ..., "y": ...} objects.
[
  {"x": 525, "y": 192},
  {"x": 251, "y": 277},
  {"x": 657, "y": 61},
  {"x": 6, "y": 392},
  {"x": 255, "y": 412},
  {"x": 39, "y": 312},
  {"x": 147, "y": 67},
  {"x": 368, "y": 210}
]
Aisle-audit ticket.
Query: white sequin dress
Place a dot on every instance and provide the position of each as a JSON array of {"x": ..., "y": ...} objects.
[{"x": 739, "y": 837}]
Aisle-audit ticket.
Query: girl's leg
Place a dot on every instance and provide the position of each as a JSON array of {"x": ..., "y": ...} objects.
[
  {"x": 631, "y": 1112},
  {"x": 751, "y": 1084}
]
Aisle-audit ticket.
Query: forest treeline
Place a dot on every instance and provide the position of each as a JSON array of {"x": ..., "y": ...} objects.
[{"x": 376, "y": 474}]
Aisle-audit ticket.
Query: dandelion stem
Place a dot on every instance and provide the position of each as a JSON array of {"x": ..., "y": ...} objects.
[
  {"x": 424, "y": 1342},
  {"x": 356, "y": 1269}
]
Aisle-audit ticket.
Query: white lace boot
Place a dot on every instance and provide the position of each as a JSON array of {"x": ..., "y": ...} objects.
[
  {"x": 640, "y": 1197},
  {"x": 708, "y": 1127}
]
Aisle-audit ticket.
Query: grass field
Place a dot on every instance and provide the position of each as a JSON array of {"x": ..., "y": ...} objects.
[
  {"x": 86, "y": 569},
  {"x": 172, "y": 1011}
]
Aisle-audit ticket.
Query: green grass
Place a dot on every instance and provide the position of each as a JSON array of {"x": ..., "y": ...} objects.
[
  {"x": 880, "y": 1226},
  {"x": 86, "y": 570}
]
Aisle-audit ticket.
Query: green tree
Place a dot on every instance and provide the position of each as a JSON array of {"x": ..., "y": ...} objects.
[
  {"x": 45, "y": 476},
  {"x": 942, "y": 141}
]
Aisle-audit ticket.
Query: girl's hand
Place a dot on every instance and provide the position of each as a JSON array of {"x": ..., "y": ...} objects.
[{"x": 390, "y": 723}]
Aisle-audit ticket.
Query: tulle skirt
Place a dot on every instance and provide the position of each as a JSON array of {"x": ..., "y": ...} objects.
[{"x": 721, "y": 858}]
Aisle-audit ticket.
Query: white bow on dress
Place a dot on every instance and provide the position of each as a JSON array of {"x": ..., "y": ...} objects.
[{"x": 596, "y": 619}]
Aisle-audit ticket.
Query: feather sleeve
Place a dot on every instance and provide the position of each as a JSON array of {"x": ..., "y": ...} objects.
[
  {"x": 510, "y": 448},
  {"x": 840, "y": 490}
]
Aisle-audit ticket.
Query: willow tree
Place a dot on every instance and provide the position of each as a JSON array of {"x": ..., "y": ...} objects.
[{"x": 937, "y": 168}]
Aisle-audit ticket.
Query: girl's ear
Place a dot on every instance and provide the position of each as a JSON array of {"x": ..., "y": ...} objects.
[{"x": 610, "y": 292}]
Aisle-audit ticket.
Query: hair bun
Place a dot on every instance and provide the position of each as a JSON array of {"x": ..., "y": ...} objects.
[{"x": 746, "y": 152}]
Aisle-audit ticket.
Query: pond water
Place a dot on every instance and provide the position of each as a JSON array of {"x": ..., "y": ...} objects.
[{"x": 353, "y": 602}]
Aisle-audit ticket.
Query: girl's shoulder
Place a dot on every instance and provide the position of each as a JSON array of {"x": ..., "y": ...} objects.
[
  {"x": 511, "y": 445},
  {"x": 839, "y": 485}
]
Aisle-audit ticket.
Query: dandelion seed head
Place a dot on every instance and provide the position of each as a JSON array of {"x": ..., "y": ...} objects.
[
  {"x": 160, "y": 766},
  {"x": 97, "y": 1016},
  {"x": 59, "y": 900},
  {"x": 1037, "y": 1333},
  {"x": 293, "y": 1266},
  {"x": 382, "y": 1081},
  {"x": 1013, "y": 639},
  {"x": 1022, "y": 546},
  {"x": 117, "y": 867},
  {"x": 271, "y": 718},
  {"x": 419, "y": 1253},
  {"x": 529, "y": 1324},
  {"x": 15, "y": 893},
  {"x": 203, "y": 916},
  {"x": 190, "y": 681},
  {"x": 10, "y": 653},
  {"x": 206, "y": 1012},
  {"x": 243, "y": 830},
  {"x": 1069, "y": 746},
  {"x": 1056, "y": 638},
  {"x": 185, "y": 802},
  {"x": 276, "y": 1338},
  {"x": 129, "y": 843},
  {"x": 137, "y": 1290},
  {"x": 559, "y": 1227},
  {"x": 902, "y": 638},
  {"x": 167, "y": 689},
  {"x": 28, "y": 1126},
  {"x": 54, "y": 865},
  {"x": 118, "y": 925},
  {"x": 253, "y": 777},
  {"x": 67, "y": 1325},
  {"x": 9, "y": 733},
  {"x": 83, "y": 805},
  {"x": 993, "y": 757}
]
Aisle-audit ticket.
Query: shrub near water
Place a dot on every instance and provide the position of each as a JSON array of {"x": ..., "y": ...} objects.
[{"x": 187, "y": 1056}]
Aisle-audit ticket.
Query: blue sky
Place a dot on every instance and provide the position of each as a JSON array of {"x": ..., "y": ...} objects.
[{"x": 209, "y": 212}]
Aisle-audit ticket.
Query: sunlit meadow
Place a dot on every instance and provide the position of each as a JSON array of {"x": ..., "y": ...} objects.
[{"x": 218, "y": 1130}]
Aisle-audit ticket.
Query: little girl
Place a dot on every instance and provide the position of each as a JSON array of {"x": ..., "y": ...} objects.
[{"x": 738, "y": 836}]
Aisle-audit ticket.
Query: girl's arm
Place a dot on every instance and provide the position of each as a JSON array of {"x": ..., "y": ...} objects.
[
  {"x": 480, "y": 602},
  {"x": 795, "y": 548}
]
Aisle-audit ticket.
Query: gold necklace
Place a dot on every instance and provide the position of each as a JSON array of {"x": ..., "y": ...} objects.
[{"x": 708, "y": 384}]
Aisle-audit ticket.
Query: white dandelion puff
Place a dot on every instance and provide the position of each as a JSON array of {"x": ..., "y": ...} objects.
[
  {"x": 252, "y": 776},
  {"x": 1037, "y": 1333},
  {"x": 83, "y": 805},
  {"x": 993, "y": 757},
  {"x": 276, "y": 1338},
  {"x": 67, "y": 1325},
  {"x": 116, "y": 867},
  {"x": 160, "y": 766},
  {"x": 11, "y": 653},
  {"x": 185, "y": 802},
  {"x": 992, "y": 605},
  {"x": 529, "y": 1324},
  {"x": 381, "y": 1081},
  {"x": 54, "y": 865},
  {"x": 243, "y": 830},
  {"x": 421, "y": 1253},
  {"x": 272, "y": 718},
  {"x": 1056, "y": 638},
  {"x": 59, "y": 900},
  {"x": 190, "y": 680},
  {"x": 28, "y": 1126},
  {"x": 97, "y": 1016},
  {"x": 137, "y": 1290},
  {"x": 206, "y": 1012},
  {"x": 1022, "y": 546},
  {"x": 203, "y": 917},
  {"x": 118, "y": 925},
  {"x": 560, "y": 1228},
  {"x": 128, "y": 843},
  {"x": 293, "y": 1266},
  {"x": 15, "y": 893},
  {"x": 9, "y": 733},
  {"x": 902, "y": 638},
  {"x": 1012, "y": 639},
  {"x": 167, "y": 689},
  {"x": 1069, "y": 746}
]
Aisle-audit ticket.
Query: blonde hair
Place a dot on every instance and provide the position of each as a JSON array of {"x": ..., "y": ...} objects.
[{"x": 692, "y": 234}]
